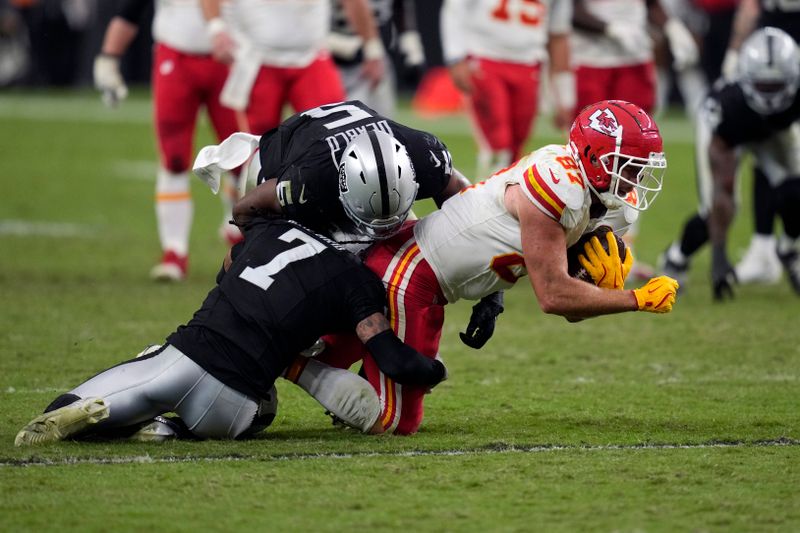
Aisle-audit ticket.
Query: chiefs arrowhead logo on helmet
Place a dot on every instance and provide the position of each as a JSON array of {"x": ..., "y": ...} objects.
[{"x": 604, "y": 121}]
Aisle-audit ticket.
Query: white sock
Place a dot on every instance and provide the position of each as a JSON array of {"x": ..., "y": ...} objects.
[
  {"x": 675, "y": 255},
  {"x": 502, "y": 158},
  {"x": 763, "y": 243},
  {"x": 483, "y": 163},
  {"x": 343, "y": 393},
  {"x": 229, "y": 195},
  {"x": 174, "y": 211}
]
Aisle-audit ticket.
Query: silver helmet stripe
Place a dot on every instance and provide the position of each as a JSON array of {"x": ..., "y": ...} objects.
[{"x": 381, "y": 164}]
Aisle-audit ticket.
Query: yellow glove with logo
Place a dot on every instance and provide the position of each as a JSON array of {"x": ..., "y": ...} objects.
[
  {"x": 657, "y": 296},
  {"x": 607, "y": 269}
]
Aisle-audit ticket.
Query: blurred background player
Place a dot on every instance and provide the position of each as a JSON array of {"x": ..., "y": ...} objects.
[
  {"x": 678, "y": 73},
  {"x": 184, "y": 77},
  {"x": 495, "y": 50},
  {"x": 757, "y": 111},
  {"x": 396, "y": 21},
  {"x": 612, "y": 52},
  {"x": 760, "y": 264},
  {"x": 278, "y": 53}
]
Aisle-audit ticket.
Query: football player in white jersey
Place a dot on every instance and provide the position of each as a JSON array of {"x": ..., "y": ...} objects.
[
  {"x": 495, "y": 50},
  {"x": 519, "y": 221},
  {"x": 279, "y": 55},
  {"x": 185, "y": 77}
]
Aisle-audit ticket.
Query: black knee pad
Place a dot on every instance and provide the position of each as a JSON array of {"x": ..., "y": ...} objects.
[
  {"x": 61, "y": 401},
  {"x": 764, "y": 208},
  {"x": 695, "y": 235},
  {"x": 787, "y": 201}
]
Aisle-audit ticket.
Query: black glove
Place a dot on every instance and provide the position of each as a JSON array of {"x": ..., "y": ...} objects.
[
  {"x": 481, "y": 323},
  {"x": 723, "y": 277}
]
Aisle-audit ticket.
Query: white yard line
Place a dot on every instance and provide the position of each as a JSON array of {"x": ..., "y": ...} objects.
[
  {"x": 32, "y": 228},
  {"x": 494, "y": 450},
  {"x": 135, "y": 169}
]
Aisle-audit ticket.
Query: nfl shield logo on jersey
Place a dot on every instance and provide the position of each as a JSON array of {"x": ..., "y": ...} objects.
[{"x": 604, "y": 121}]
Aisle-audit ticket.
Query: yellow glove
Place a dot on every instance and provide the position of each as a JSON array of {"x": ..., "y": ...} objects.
[
  {"x": 657, "y": 296},
  {"x": 606, "y": 268},
  {"x": 627, "y": 264}
]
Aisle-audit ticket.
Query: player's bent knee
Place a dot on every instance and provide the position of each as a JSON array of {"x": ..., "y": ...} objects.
[
  {"x": 357, "y": 404},
  {"x": 62, "y": 401}
]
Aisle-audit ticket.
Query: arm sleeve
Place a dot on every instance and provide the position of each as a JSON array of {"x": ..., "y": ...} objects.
[{"x": 402, "y": 363}]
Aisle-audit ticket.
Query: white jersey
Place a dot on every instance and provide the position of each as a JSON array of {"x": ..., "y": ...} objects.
[
  {"x": 597, "y": 50},
  {"x": 179, "y": 24},
  {"x": 285, "y": 33},
  {"x": 473, "y": 243},
  {"x": 516, "y": 31}
]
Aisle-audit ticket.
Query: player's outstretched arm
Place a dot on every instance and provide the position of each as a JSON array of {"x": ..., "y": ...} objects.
[
  {"x": 544, "y": 249},
  {"x": 399, "y": 361},
  {"x": 724, "y": 161},
  {"x": 259, "y": 201}
]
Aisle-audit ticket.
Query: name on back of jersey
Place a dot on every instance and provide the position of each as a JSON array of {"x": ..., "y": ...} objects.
[{"x": 339, "y": 140}]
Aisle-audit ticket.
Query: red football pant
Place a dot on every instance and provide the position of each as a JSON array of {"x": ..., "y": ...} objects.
[
  {"x": 181, "y": 84},
  {"x": 504, "y": 102},
  {"x": 312, "y": 86},
  {"x": 635, "y": 84},
  {"x": 416, "y": 313}
]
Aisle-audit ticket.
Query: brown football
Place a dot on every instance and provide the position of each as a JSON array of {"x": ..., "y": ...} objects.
[{"x": 574, "y": 266}]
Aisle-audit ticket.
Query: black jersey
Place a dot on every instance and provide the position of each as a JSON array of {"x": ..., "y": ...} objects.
[
  {"x": 304, "y": 153},
  {"x": 286, "y": 287},
  {"x": 736, "y": 123},
  {"x": 135, "y": 11},
  {"x": 781, "y": 14}
]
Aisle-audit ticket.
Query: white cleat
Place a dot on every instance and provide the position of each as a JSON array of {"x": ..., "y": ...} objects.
[
  {"x": 61, "y": 423},
  {"x": 173, "y": 267},
  {"x": 760, "y": 263}
]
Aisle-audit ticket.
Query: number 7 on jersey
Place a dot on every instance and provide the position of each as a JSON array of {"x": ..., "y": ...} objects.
[{"x": 262, "y": 276}]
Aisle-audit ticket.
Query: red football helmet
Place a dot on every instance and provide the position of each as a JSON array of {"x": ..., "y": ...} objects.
[{"x": 620, "y": 153}]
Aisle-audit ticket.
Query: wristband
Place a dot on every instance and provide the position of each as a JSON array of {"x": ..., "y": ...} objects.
[
  {"x": 373, "y": 49},
  {"x": 564, "y": 89},
  {"x": 216, "y": 26}
]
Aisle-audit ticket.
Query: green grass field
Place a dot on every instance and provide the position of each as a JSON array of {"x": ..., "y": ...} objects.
[{"x": 636, "y": 422}]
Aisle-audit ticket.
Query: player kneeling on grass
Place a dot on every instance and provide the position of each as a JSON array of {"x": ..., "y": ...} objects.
[{"x": 276, "y": 294}]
